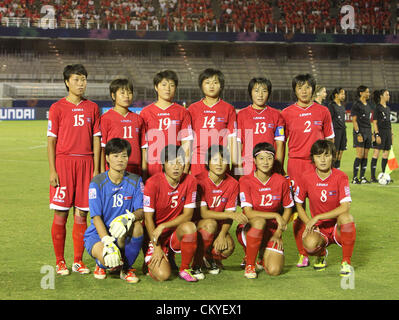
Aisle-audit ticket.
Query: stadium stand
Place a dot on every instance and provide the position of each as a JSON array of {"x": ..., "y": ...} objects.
[{"x": 303, "y": 16}]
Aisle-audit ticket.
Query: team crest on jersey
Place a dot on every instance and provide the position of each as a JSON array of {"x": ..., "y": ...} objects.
[
  {"x": 128, "y": 198},
  {"x": 332, "y": 193},
  {"x": 92, "y": 193},
  {"x": 277, "y": 197},
  {"x": 318, "y": 123},
  {"x": 242, "y": 197},
  {"x": 49, "y": 125}
]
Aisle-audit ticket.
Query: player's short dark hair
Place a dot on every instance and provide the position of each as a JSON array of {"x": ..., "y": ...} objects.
[
  {"x": 265, "y": 146},
  {"x": 377, "y": 95},
  {"x": 321, "y": 146},
  {"x": 214, "y": 149},
  {"x": 334, "y": 92},
  {"x": 117, "y": 145},
  {"x": 261, "y": 81},
  {"x": 301, "y": 79},
  {"x": 170, "y": 153},
  {"x": 119, "y": 83},
  {"x": 165, "y": 74},
  {"x": 71, "y": 69},
  {"x": 209, "y": 73},
  {"x": 360, "y": 89}
]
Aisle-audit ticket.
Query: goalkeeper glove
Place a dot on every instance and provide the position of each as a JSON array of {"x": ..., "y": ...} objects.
[
  {"x": 111, "y": 254},
  {"x": 121, "y": 224}
]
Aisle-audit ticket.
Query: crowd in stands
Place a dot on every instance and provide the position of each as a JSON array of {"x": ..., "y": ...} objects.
[{"x": 199, "y": 15}]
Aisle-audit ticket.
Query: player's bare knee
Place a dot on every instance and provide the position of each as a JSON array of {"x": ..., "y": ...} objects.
[
  {"x": 312, "y": 242},
  {"x": 210, "y": 225},
  {"x": 188, "y": 227},
  {"x": 273, "y": 270},
  {"x": 258, "y": 223},
  {"x": 345, "y": 218}
]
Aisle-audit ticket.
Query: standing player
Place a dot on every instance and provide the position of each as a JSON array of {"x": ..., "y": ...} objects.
[
  {"x": 327, "y": 190},
  {"x": 259, "y": 123},
  {"x": 337, "y": 110},
  {"x": 362, "y": 137},
  {"x": 120, "y": 122},
  {"x": 116, "y": 208},
  {"x": 214, "y": 120},
  {"x": 305, "y": 122},
  {"x": 169, "y": 203},
  {"x": 263, "y": 194},
  {"x": 166, "y": 122},
  {"x": 73, "y": 136},
  {"x": 218, "y": 192},
  {"x": 320, "y": 95},
  {"x": 382, "y": 131}
]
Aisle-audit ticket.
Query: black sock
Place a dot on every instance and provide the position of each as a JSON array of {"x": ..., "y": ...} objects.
[
  {"x": 373, "y": 167},
  {"x": 337, "y": 164},
  {"x": 356, "y": 165},
  {"x": 384, "y": 164},
  {"x": 363, "y": 168}
]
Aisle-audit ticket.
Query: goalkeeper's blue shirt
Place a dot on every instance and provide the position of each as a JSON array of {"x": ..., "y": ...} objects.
[{"x": 109, "y": 200}]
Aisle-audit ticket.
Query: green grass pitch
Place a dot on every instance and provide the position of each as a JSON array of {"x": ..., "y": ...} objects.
[{"x": 26, "y": 246}]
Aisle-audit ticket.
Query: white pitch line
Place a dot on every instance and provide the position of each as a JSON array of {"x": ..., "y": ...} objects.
[{"x": 37, "y": 147}]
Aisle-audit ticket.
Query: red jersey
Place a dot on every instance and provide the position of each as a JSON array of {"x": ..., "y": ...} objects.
[
  {"x": 129, "y": 127},
  {"x": 211, "y": 125},
  {"x": 219, "y": 197},
  {"x": 324, "y": 195},
  {"x": 267, "y": 197},
  {"x": 74, "y": 127},
  {"x": 255, "y": 126},
  {"x": 166, "y": 201},
  {"x": 163, "y": 127},
  {"x": 304, "y": 126}
]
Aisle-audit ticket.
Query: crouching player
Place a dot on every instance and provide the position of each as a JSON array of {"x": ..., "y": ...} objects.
[
  {"x": 169, "y": 203},
  {"x": 263, "y": 195},
  {"x": 116, "y": 207},
  {"x": 218, "y": 193},
  {"x": 329, "y": 197}
]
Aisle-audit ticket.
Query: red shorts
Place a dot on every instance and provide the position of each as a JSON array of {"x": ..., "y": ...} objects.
[
  {"x": 75, "y": 174},
  {"x": 168, "y": 240},
  {"x": 328, "y": 230},
  {"x": 268, "y": 232}
]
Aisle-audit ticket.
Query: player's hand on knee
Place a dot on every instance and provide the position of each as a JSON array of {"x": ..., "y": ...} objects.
[
  {"x": 121, "y": 224},
  {"x": 111, "y": 253}
]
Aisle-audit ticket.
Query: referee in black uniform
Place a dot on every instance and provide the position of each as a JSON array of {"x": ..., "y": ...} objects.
[
  {"x": 382, "y": 131},
  {"x": 337, "y": 110},
  {"x": 362, "y": 137}
]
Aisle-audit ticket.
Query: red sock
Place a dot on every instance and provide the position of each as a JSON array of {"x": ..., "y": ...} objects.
[
  {"x": 78, "y": 231},
  {"x": 188, "y": 247},
  {"x": 254, "y": 239},
  {"x": 58, "y": 234},
  {"x": 299, "y": 228},
  {"x": 207, "y": 239},
  {"x": 348, "y": 237}
]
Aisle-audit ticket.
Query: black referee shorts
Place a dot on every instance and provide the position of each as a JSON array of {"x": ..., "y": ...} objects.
[
  {"x": 386, "y": 140},
  {"x": 367, "y": 141},
  {"x": 340, "y": 139}
]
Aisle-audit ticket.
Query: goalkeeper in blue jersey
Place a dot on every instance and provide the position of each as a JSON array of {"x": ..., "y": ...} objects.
[{"x": 115, "y": 235}]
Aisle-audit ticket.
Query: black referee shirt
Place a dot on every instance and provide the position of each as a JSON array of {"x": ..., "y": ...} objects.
[
  {"x": 363, "y": 113},
  {"x": 337, "y": 115},
  {"x": 383, "y": 117}
]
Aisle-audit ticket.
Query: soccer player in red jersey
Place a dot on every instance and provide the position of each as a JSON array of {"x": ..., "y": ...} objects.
[
  {"x": 120, "y": 122},
  {"x": 169, "y": 203},
  {"x": 305, "y": 122},
  {"x": 218, "y": 192},
  {"x": 259, "y": 123},
  {"x": 166, "y": 122},
  {"x": 73, "y": 136},
  {"x": 327, "y": 190},
  {"x": 263, "y": 194},
  {"x": 214, "y": 120}
]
